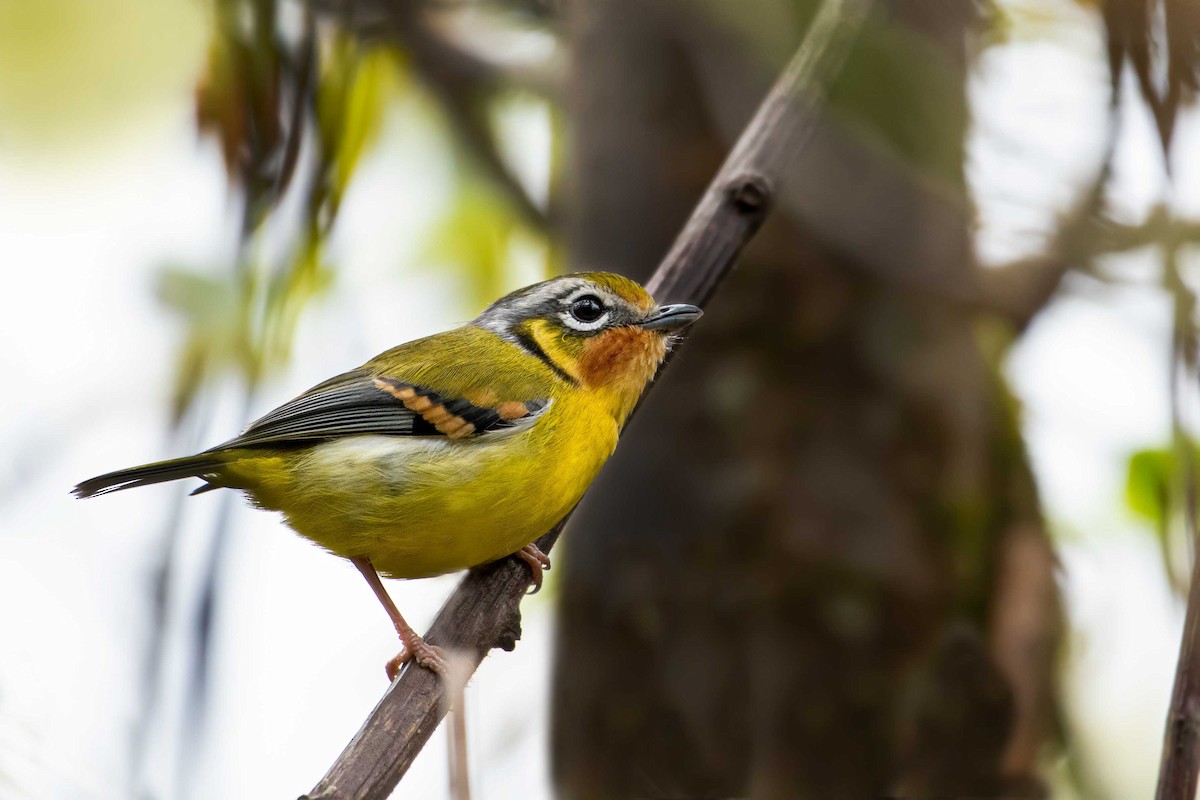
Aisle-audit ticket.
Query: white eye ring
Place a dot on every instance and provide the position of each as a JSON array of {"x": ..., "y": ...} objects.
[
  {"x": 601, "y": 303},
  {"x": 571, "y": 322}
]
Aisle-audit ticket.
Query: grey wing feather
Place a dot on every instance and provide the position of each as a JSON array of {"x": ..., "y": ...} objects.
[
  {"x": 357, "y": 403},
  {"x": 348, "y": 405}
]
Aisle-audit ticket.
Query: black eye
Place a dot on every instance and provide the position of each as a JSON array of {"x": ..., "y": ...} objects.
[{"x": 587, "y": 308}]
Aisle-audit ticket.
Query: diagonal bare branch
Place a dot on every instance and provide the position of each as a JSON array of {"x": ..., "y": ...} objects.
[{"x": 483, "y": 611}]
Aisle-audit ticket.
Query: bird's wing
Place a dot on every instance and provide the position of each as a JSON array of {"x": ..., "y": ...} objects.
[{"x": 385, "y": 397}]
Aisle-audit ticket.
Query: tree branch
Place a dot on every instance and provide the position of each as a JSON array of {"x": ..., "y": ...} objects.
[{"x": 483, "y": 611}]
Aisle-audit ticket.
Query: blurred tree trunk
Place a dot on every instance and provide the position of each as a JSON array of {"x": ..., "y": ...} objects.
[{"x": 816, "y": 566}]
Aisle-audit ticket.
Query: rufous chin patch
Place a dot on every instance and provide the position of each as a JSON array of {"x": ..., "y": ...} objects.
[{"x": 627, "y": 354}]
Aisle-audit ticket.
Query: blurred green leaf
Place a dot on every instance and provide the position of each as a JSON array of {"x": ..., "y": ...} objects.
[
  {"x": 1150, "y": 489},
  {"x": 354, "y": 90},
  {"x": 475, "y": 238},
  {"x": 251, "y": 97},
  {"x": 1148, "y": 484},
  {"x": 262, "y": 89},
  {"x": 220, "y": 101},
  {"x": 1031, "y": 20},
  {"x": 289, "y": 293}
]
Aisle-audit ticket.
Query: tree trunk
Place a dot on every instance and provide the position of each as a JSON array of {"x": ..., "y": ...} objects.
[{"x": 815, "y": 566}]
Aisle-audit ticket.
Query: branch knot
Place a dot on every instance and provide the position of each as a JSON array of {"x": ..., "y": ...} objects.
[
  {"x": 750, "y": 193},
  {"x": 510, "y": 631}
]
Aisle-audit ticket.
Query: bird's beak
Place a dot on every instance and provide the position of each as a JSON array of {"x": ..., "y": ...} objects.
[{"x": 670, "y": 318}]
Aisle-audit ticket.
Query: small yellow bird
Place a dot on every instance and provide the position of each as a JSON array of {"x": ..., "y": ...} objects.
[{"x": 453, "y": 450}]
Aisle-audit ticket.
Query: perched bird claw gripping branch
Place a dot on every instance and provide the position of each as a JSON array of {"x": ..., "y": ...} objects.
[
  {"x": 454, "y": 450},
  {"x": 537, "y": 561}
]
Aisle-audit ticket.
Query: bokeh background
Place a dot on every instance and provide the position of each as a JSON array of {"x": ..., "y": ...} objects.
[{"x": 906, "y": 515}]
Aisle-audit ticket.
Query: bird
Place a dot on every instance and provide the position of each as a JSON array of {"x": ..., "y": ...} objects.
[{"x": 454, "y": 450}]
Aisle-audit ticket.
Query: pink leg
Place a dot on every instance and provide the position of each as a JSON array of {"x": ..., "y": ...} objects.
[{"x": 415, "y": 648}]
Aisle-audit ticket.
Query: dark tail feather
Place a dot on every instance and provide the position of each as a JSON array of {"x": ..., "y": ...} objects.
[{"x": 189, "y": 467}]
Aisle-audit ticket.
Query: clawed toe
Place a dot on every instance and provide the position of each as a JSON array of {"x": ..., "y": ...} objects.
[
  {"x": 537, "y": 561},
  {"x": 429, "y": 656},
  {"x": 393, "y": 667}
]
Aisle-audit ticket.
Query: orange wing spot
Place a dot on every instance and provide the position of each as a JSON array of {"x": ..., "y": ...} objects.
[
  {"x": 399, "y": 392},
  {"x": 512, "y": 410},
  {"x": 419, "y": 404},
  {"x": 450, "y": 426},
  {"x": 437, "y": 415},
  {"x": 457, "y": 428}
]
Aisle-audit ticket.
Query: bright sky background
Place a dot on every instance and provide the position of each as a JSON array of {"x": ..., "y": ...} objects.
[{"x": 301, "y": 642}]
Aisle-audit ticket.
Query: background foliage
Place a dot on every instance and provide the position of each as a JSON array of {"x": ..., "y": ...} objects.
[{"x": 863, "y": 509}]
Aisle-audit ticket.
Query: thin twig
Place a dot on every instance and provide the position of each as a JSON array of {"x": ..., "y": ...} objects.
[
  {"x": 460, "y": 781},
  {"x": 483, "y": 611}
]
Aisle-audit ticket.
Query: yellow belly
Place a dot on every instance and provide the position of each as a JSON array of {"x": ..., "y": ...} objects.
[{"x": 422, "y": 506}]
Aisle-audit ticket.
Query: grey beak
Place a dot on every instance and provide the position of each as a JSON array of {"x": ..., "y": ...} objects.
[{"x": 673, "y": 317}]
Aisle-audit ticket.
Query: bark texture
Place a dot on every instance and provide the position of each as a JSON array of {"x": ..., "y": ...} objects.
[{"x": 816, "y": 566}]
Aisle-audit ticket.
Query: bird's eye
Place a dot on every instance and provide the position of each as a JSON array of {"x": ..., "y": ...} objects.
[{"x": 587, "y": 308}]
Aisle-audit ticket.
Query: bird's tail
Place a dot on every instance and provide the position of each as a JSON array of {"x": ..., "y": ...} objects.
[{"x": 188, "y": 467}]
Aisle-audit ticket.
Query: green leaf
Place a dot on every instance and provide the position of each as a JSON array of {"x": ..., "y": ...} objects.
[
  {"x": 354, "y": 90},
  {"x": 290, "y": 292},
  {"x": 1152, "y": 489},
  {"x": 475, "y": 239},
  {"x": 1148, "y": 484}
]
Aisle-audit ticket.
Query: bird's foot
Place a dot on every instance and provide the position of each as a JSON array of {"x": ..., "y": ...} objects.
[
  {"x": 537, "y": 561},
  {"x": 429, "y": 656}
]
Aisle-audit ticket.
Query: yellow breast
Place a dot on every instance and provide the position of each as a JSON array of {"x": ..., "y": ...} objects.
[{"x": 421, "y": 506}]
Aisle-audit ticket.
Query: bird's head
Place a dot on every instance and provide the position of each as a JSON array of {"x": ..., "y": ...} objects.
[{"x": 597, "y": 329}]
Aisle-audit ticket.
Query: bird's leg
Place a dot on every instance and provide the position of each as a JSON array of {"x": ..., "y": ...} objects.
[
  {"x": 415, "y": 648},
  {"x": 537, "y": 561}
]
